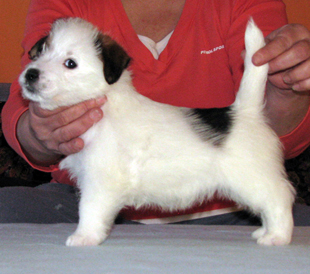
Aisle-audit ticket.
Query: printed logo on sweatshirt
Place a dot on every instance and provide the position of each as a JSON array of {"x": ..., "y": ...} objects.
[{"x": 212, "y": 50}]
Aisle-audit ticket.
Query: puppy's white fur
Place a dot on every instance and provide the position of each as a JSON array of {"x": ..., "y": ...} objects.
[{"x": 147, "y": 153}]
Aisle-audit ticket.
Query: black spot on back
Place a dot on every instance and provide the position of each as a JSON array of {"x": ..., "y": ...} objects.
[
  {"x": 218, "y": 119},
  {"x": 212, "y": 124}
]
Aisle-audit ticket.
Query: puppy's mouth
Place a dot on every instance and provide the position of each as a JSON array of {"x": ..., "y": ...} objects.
[
  {"x": 30, "y": 91},
  {"x": 30, "y": 88}
]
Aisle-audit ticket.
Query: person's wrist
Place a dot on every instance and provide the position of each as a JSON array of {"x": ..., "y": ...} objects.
[
  {"x": 35, "y": 152},
  {"x": 285, "y": 108}
]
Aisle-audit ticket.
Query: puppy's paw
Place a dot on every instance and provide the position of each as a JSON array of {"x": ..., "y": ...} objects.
[
  {"x": 259, "y": 233},
  {"x": 273, "y": 239},
  {"x": 77, "y": 239}
]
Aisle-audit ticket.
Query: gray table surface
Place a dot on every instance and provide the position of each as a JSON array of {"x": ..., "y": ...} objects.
[{"x": 35, "y": 248}]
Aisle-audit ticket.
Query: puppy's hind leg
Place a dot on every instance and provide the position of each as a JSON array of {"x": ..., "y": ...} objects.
[
  {"x": 277, "y": 217},
  {"x": 97, "y": 211},
  {"x": 270, "y": 197}
]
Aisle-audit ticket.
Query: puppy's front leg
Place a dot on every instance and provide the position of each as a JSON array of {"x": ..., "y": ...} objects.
[{"x": 97, "y": 210}]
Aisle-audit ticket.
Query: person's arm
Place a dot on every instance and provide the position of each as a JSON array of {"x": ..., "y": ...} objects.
[
  {"x": 46, "y": 136},
  {"x": 288, "y": 88}
]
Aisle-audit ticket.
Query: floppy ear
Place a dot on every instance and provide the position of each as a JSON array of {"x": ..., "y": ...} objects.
[
  {"x": 36, "y": 50},
  {"x": 114, "y": 57}
]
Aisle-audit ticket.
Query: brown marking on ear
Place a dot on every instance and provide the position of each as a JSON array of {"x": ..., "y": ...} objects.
[
  {"x": 115, "y": 59},
  {"x": 36, "y": 50}
]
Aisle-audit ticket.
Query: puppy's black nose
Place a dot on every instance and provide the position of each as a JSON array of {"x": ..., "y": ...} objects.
[{"x": 32, "y": 75}]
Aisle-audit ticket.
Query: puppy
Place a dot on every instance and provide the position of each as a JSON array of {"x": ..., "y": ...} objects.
[{"x": 146, "y": 153}]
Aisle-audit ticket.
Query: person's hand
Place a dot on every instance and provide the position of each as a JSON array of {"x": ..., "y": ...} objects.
[
  {"x": 287, "y": 51},
  {"x": 48, "y": 135}
]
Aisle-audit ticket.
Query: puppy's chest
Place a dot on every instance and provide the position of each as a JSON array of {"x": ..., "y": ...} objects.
[{"x": 124, "y": 145}]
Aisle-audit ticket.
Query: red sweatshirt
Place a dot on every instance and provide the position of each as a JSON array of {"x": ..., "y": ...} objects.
[{"x": 200, "y": 67}]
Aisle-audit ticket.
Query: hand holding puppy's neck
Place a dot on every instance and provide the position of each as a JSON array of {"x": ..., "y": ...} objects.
[{"x": 35, "y": 152}]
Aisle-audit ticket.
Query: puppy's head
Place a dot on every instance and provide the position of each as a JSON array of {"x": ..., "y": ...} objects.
[{"x": 75, "y": 62}]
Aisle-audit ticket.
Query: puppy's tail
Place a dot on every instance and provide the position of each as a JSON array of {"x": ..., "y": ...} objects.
[{"x": 252, "y": 88}]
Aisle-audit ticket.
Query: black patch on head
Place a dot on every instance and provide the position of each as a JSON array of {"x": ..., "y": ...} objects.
[
  {"x": 212, "y": 124},
  {"x": 36, "y": 50},
  {"x": 114, "y": 57}
]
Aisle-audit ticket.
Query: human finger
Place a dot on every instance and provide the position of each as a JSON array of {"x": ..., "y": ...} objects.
[
  {"x": 296, "y": 55},
  {"x": 71, "y": 147},
  {"x": 77, "y": 127},
  {"x": 280, "y": 41},
  {"x": 68, "y": 115},
  {"x": 299, "y": 77}
]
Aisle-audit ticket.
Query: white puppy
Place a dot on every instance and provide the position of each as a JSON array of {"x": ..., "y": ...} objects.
[{"x": 147, "y": 153}]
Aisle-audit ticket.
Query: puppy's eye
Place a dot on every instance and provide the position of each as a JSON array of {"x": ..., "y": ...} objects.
[{"x": 70, "y": 64}]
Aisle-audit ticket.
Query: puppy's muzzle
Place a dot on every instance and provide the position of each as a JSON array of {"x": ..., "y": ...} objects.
[{"x": 31, "y": 77}]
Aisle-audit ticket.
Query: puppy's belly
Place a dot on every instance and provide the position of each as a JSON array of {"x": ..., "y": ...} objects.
[
  {"x": 171, "y": 183},
  {"x": 173, "y": 177}
]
